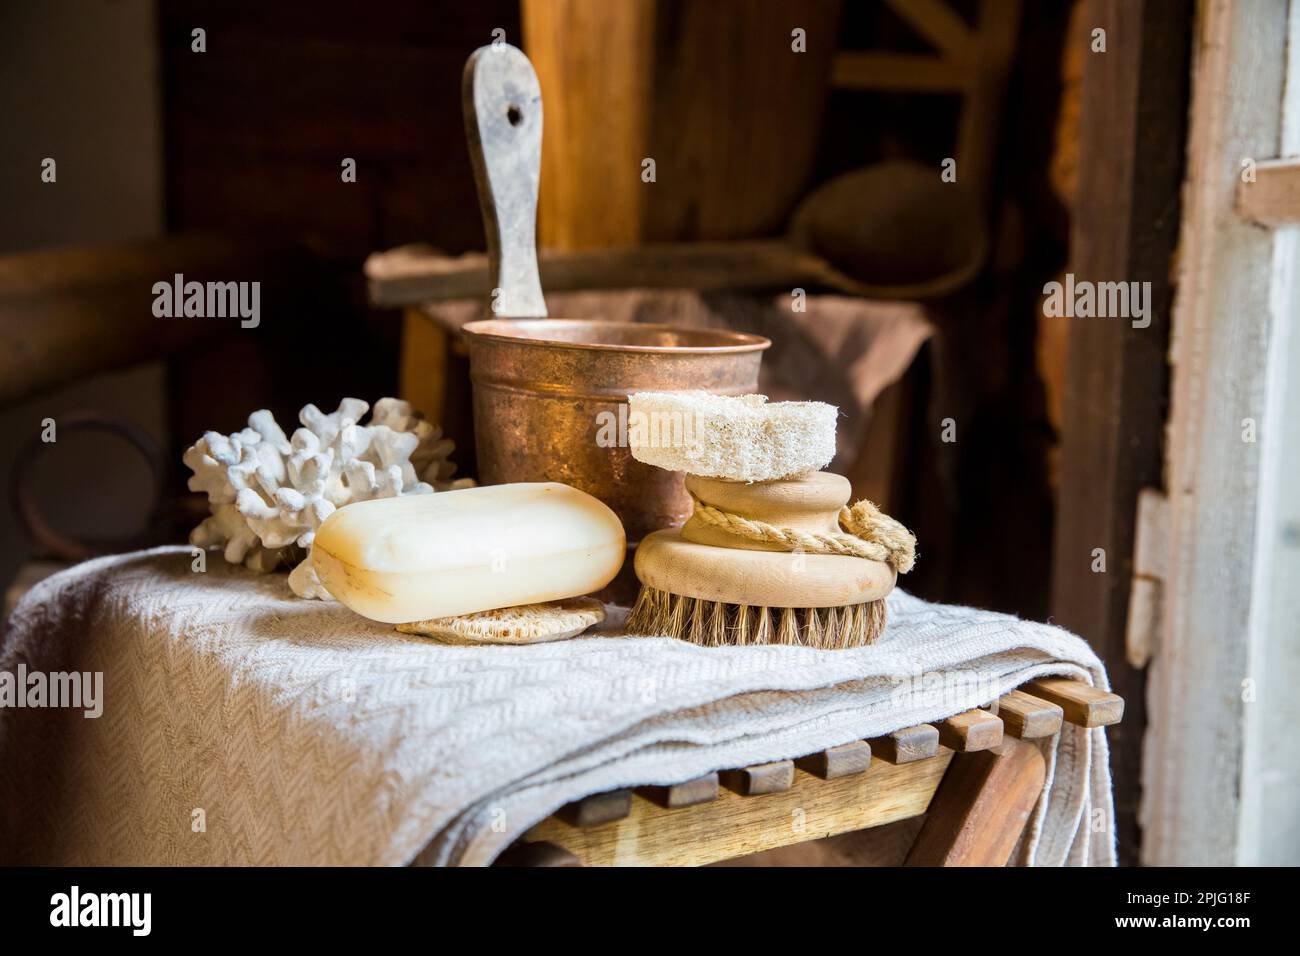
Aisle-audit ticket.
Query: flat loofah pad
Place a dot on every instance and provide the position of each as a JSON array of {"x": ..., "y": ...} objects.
[
  {"x": 742, "y": 438},
  {"x": 525, "y": 624}
]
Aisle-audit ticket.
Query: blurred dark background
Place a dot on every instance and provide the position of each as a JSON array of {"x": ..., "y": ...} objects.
[{"x": 243, "y": 143}]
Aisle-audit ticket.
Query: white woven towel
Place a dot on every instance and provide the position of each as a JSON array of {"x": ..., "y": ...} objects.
[{"x": 296, "y": 732}]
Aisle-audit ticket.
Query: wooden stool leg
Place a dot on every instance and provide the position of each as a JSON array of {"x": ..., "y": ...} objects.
[
  {"x": 540, "y": 853},
  {"x": 981, "y": 807}
]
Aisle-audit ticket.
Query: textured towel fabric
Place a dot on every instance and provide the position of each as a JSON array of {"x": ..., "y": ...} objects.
[{"x": 243, "y": 726}]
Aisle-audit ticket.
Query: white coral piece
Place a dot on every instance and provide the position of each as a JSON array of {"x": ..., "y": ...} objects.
[{"x": 270, "y": 492}]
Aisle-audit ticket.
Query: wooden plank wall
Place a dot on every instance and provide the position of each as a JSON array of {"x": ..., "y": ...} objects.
[{"x": 1131, "y": 153}]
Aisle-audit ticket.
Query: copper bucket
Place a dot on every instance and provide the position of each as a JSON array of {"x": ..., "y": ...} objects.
[
  {"x": 550, "y": 403},
  {"x": 550, "y": 395}
]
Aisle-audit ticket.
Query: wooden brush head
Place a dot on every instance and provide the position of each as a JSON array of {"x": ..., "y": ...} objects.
[
  {"x": 808, "y": 503},
  {"x": 707, "y": 562}
]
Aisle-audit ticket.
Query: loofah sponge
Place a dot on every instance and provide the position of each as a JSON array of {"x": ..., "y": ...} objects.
[
  {"x": 522, "y": 624},
  {"x": 744, "y": 438}
]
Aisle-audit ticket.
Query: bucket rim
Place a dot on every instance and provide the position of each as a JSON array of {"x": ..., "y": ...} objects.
[{"x": 729, "y": 341}]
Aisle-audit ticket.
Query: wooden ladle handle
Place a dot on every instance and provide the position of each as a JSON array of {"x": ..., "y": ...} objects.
[{"x": 503, "y": 123}]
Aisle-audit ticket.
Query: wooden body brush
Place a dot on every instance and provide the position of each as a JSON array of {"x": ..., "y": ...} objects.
[{"x": 778, "y": 561}]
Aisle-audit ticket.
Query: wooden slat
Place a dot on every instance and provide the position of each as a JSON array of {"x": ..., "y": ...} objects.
[
  {"x": 850, "y": 758},
  {"x": 897, "y": 71},
  {"x": 1081, "y": 704},
  {"x": 760, "y": 778},
  {"x": 907, "y": 745},
  {"x": 981, "y": 808},
  {"x": 733, "y": 825},
  {"x": 597, "y": 809},
  {"x": 970, "y": 731},
  {"x": 689, "y": 793},
  {"x": 411, "y": 276},
  {"x": 940, "y": 24},
  {"x": 1274, "y": 197},
  {"x": 1029, "y": 717}
]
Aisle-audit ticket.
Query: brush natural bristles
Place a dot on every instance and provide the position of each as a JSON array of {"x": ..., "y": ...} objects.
[{"x": 717, "y": 624}]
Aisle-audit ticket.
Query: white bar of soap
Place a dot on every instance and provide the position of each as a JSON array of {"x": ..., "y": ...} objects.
[{"x": 419, "y": 557}]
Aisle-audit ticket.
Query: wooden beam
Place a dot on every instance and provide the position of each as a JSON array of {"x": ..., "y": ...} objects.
[
  {"x": 901, "y": 72},
  {"x": 1134, "y": 104},
  {"x": 993, "y": 51},
  {"x": 939, "y": 24},
  {"x": 733, "y": 826},
  {"x": 618, "y": 77},
  {"x": 981, "y": 807},
  {"x": 422, "y": 375},
  {"x": 1273, "y": 197},
  {"x": 411, "y": 276}
]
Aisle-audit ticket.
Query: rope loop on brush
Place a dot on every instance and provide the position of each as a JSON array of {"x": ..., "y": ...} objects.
[{"x": 868, "y": 533}]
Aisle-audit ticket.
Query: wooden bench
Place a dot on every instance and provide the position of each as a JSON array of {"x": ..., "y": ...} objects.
[{"x": 975, "y": 776}]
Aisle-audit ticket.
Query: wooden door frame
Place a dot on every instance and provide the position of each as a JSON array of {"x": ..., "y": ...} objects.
[
  {"x": 1193, "y": 787},
  {"x": 1220, "y": 753}
]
